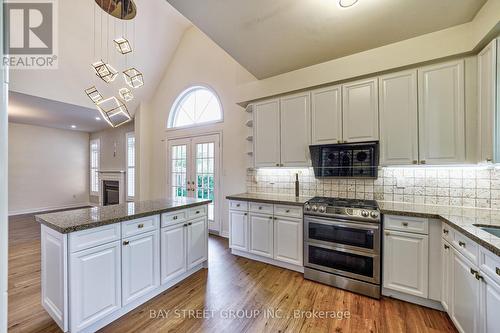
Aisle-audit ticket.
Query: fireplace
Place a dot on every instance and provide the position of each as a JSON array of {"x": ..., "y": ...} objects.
[{"x": 110, "y": 192}]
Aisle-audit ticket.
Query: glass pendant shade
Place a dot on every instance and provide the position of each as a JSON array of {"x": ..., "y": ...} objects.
[
  {"x": 133, "y": 78},
  {"x": 105, "y": 71},
  {"x": 126, "y": 94},
  {"x": 94, "y": 94},
  {"x": 123, "y": 45},
  {"x": 114, "y": 111}
]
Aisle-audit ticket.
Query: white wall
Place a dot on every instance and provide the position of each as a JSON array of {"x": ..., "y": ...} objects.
[
  {"x": 48, "y": 168},
  {"x": 198, "y": 60}
]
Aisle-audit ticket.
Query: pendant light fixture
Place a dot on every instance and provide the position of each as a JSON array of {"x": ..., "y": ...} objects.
[
  {"x": 123, "y": 45},
  {"x": 94, "y": 94},
  {"x": 114, "y": 111},
  {"x": 126, "y": 94}
]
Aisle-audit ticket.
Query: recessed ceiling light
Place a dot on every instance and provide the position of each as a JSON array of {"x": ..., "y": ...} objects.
[
  {"x": 73, "y": 126},
  {"x": 347, "y": 3},
  {"x": 97, "y": 118}
]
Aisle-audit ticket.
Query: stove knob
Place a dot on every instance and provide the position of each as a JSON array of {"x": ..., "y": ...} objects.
[
  {"x": 365, "y": 213},
  {"x": 322, "y": 209},
  {"x": 308, "y": 207},
  {"x": 314, "y": 208},
  {"x": 374, "y": 215}
]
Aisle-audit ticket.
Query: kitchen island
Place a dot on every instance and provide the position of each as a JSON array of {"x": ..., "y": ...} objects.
[{"x": 99, "y": 263}]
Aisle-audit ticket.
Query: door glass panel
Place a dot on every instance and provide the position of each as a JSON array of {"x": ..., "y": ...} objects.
[
  {"x": 341, "y": 235},
  {"x": 343, "y": 261},
  {"x": 205, "y": 176},
  {"x": 179, "y": 171}
]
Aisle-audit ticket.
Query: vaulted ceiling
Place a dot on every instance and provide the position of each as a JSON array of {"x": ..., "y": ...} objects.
[{"x": 278, "y": 36}]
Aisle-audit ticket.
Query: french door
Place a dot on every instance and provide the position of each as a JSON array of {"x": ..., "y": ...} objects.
[{"x": 194, "y": 172}]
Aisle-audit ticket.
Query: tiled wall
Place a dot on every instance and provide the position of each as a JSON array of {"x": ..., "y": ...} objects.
[{"x": 449, "y": 186}]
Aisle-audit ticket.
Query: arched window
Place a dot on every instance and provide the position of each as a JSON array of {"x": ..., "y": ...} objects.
[{"x": 195, "y": 105}]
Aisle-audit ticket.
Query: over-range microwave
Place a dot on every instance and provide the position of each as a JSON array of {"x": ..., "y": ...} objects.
[{"x": 347, "y": 160}]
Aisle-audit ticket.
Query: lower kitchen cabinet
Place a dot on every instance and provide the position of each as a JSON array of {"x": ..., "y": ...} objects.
[
  {"x": 287, "y": 237},
  {"x": 95, "y": 284},
  {"x": 261, "y": 235},
  {"x": 406, "y": 262},
  {"x": 238, "y": 237},
  {"x": 465, "y": 294},
  {"x": 489, "y": 319},
  {"x": 197, "y": 242},
  {"x": 446, "y": 274},
  {"x": 140, "y": 265},
  {"x": 173, "y": 252}
]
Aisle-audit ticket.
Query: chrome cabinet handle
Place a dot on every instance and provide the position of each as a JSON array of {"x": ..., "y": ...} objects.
[
  {"x": 445, "y": 231},
  {"x": 140, "y": 226},
  {"x": 462, "y": 244},
  {"x": 126, "y": 243}
]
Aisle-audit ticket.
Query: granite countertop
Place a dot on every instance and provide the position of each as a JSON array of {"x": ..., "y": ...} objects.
[
  {"x": 465, "y": 220},
  {"x": 270, "y": 198},
  {"x": 86, "y": 218}
]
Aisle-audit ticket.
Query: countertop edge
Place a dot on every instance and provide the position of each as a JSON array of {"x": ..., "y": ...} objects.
[
  {"x": 116, "y": 220},
  {"x": 264, "y": 200}
]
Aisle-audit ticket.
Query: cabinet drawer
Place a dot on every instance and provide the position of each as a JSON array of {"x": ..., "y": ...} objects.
[
  {"x": 447, "y": 232},
  {"x": 238, "y": 205},
  {"x": 173, "y": 218},
  {"x": 489, "y": 263},
  {"x": 197, "y": 211},
  {"x": 258, "y": 207},
  {"x": 466, "y": 247},
  {"x": 85, "y": 239},
  {"x": 406, "y": 224},
  {"x": 291, "y": 211},
  {"x": 139, "y": 226}
]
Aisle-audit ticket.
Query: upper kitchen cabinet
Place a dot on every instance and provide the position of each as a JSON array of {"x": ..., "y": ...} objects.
[
  {"x": 398, "y": 118},
  {"x": 441, "y": 113},
  {"x": 487, "y": 74},
  {"x": 295, "y": 127},
  {"x": 267, "y": 133},
  {"x": 326, "y": 115},
  {"x": 360, "y": 111}
]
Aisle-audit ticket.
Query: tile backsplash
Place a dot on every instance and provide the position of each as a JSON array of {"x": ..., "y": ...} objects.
[{"x": 449, "y": 186}]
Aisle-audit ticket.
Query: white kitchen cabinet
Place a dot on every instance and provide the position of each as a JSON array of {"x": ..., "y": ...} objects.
[
  {"x": 140, "y": 265},
  {"x": 406, "y": 262},
  {"x": 360, "y": 111},
  {"x": 398, "y": 118},
  {"x": 173, "y": 252},
  {"x": 267, "y": 133},
  {"x": 238, "y": 232},
  {"x": 441, "y": 113},
  {"x": 287, "y": 240},
  {"x": 489, "y": 318},
  {"x": 446, "y": 274},
  {"x": 197, "y": 242},
  {"x": 261, "y": 234},
  {"x": 95, "y": 284},
  {"x": 465, "y": 295},
  {"x": 487, "y": 74},
  {"x": 295, "y": 125},
  {"x": 326, "y": 115}
]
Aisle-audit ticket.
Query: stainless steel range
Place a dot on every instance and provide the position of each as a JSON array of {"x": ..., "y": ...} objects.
[{"x": 342, "y": 244}]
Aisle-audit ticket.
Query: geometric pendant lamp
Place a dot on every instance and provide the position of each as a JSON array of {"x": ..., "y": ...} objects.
[
  {"x": 114, "y": 111},
  {"x": 133, "y": 78}
]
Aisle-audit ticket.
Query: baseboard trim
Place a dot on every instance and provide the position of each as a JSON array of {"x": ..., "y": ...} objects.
[
  {"x": 224, "y": 234},
  {"x": 48, "y": 209},
  {"x": 270, "y": 261},
  {"x": 429, "y": 303}
]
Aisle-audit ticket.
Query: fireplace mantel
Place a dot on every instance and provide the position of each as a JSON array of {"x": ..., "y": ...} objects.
[{"x": 116, "y": 175}]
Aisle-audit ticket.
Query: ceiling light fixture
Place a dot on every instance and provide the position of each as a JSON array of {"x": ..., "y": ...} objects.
[
  {"x": 347, "y": 3},
  {"x": 73, "y": 126},
  {"x": 97, "y": 118}
]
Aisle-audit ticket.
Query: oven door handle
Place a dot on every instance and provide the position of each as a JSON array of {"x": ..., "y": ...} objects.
[{"x": 343, "y": 223}]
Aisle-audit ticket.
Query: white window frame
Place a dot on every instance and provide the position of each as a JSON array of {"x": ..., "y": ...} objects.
[
  {"x": 127, "y": 167},
  {"x": 92, "y": 142}
]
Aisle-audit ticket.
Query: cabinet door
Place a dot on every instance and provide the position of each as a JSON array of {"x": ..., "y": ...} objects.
[
  {"x": 465, "y": 295},
  {"x": 140, "y": 265},
  {"x": 238, "y": 232},
  {"x": 486, "y": 73},
  {"x": 406, "y": 262},
  {"x": 173, "y": 252},
  {"x": 326, "y": 115},
  {"x": 288, "y": 240},
  {"x": 295, "y": 125},
  {"x": 95, "y": 279},
  {"x": 197, "y": 242},
  {"x": 261, "y": 235},
  {"x": 360, "y": 111},
  {"x": 398, "y": 118},
  {"x": 446, "y": 262},
  {"x": 267, "y": 133},
  {"x": 441, "y": 113},
  {"x": 490, "y": 304}
]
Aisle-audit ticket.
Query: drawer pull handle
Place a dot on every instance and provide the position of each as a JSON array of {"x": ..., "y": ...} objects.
[
  {"x": 479, "y": 277},
  {"x": 140, "y": 226},
  {"x": 270, "y": 217},
  {"x": 175, "y": 217},
  {"x": 462, "y": 244},
  {"x": 260, "y": 207},
  {"x": 197, "y": 212},
  {"x": 446, "y": 247},
  {"x": 185, "y": 225},
  {"x": 288, "y": 210},
  {"x": 237, "y": 205},
  {"x": 405, "y": 224},
  {"x": 275, "y": 218},
  {"x": 497, "y": 270},
  {"x": 387, "y": 233},
  {"x": 189, "y": 223},
  {"x": 245, "y": 214},
  {"x": 126, "y": 243},
  {"x": 445, "y": 231},
  {"x": 473, "y": 271}
]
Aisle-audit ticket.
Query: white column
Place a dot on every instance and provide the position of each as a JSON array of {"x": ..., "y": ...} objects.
[{"x": 3, "y": 186}]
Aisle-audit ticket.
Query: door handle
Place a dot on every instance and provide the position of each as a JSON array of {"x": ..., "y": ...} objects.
[
  {"x": 174, "y": 218},
  {"x": 140, "y": 226},
  {"x": 423, "y": 162},
  {"x": 479, "y": 277},
  {"x": 446, "y": 247},
  {"x": 445, "y": 231},
  {"x": 405, "y": 224},
  {"x": 126, "y": 243},
  {"x": 473, "y": 271},
  {"x": 415, "y": 162},
  {"x": 462, "y": 244}
]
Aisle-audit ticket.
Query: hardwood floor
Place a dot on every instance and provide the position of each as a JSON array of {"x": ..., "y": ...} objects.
[{"x": 230, "y": 284}]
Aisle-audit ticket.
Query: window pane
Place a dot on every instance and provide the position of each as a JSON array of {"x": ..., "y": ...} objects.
[{"x": 195, "y": 106}]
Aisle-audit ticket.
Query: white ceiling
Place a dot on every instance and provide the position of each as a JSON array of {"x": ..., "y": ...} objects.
[
  {"x": 274, "y": 37},
  {"x": 158, "y": 30}
]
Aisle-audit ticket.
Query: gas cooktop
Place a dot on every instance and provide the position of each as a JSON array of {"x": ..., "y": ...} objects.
[{"x": 357, "y": 209}]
